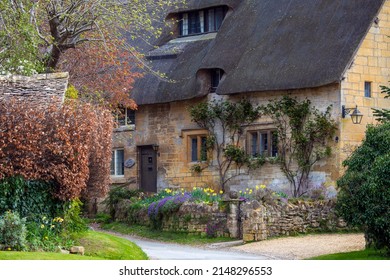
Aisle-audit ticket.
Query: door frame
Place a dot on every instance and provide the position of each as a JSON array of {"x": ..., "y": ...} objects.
[{"x": 139, "y": 161}]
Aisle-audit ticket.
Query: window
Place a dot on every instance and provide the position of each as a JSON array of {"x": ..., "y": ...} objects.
[
  {"x": 367, "y": 89},
  {"x": 202, "y": 21},
  {"x": 262, "y": 143},
  {"x": 216, "y": 76},
  {"x": 118, "y": 162},
  {"x": 125, "y": 117},
  {"x": 197, "y": 148}
]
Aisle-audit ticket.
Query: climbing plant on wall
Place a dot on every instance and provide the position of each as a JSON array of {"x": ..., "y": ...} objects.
[
  {"x": 224, "y": 121},
  {"x": 303, "y": 134}
]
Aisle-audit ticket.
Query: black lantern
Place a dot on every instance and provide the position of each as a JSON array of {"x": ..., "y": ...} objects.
[{"x": 356, "y": 116}]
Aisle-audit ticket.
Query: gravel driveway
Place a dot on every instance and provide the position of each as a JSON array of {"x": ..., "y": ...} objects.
[{"x": 302, "y": 247}]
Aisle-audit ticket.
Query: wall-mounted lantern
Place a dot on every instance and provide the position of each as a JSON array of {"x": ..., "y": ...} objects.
[
  {"x": 155, "y": 147},
  {"x": 356, "y": 116}
]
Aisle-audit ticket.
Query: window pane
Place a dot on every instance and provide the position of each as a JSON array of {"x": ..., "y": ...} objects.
[
  {"x": 112, "y": 171},
  {"x": 184, "y": 25},
  {"x": 119, "y": 162},
  {"x": 193, "y": 23},
  {"x": 201, "y": 21},
  {"x": 254, "y": 144},
  {"x": 367, "y": 89},
  {"x": 264, "y": 144},
  {"x": 219, "y": 15},
  {"x": 274, "y": 152},
  {"x": 130, "y": 116},
  {"x": 211, "y": 20},
  {"x": 203, "y": 151},
  {"x": 122, "y": 117},
  {"x": 194, "y": 149}
]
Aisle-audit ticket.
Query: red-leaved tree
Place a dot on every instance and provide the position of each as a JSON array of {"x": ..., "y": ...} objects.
[{"x": 69, "y": 145}]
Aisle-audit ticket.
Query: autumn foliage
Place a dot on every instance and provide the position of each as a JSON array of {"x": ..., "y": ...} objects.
[{"x": 69, "y": 145}]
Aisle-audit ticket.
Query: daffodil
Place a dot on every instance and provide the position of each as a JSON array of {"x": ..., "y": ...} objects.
[
  {"x": 257, "y": 187},
  {"x": 221, "y": 192},
  {"x": 262, "y": 186},
  {"x": 42, "y": 226}
]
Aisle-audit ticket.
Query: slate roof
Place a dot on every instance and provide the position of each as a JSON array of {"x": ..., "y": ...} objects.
[{"x": 262, "y": 46}]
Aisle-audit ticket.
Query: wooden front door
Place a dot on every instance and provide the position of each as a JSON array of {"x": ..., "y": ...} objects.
[{"x": 148, "y": 172}]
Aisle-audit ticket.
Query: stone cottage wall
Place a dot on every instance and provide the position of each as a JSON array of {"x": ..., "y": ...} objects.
[
  {"x": 168, "y": 125},
  {"x": 370, "y": 64},
  {"x": 37, "y": 90}
]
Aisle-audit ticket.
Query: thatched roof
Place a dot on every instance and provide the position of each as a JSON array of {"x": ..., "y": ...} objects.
[{"x": 262, "y": 46}]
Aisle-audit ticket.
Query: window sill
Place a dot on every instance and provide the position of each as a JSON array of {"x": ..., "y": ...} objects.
[
  {"x": 118, "y": 179},
  {"x": 125, "y": 128}
]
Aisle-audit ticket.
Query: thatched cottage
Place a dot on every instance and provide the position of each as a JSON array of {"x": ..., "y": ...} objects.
[{"x": 334, "y": 52}]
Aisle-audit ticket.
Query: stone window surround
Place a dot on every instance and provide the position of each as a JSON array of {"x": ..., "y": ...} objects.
[
  {"x": 114, "y": 151},
  {"x": 187, "y": 135},
  {"x": 260, "y": 130}
]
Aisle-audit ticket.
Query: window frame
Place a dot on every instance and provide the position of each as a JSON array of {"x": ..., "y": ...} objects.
[
  {"x": 128, "y": 117},
  {"x": 367, "y": 89},
  {"x": 270, "y": 151},
  {"x": 114, "y": 156},
  {"x": 197, "y": 134},
  {"x": 198, "y": 22}
]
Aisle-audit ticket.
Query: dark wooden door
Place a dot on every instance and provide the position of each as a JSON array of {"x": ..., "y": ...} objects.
[{"x": 148, "y": 170}]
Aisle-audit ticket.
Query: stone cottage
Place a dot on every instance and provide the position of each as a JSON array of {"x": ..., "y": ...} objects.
[{"x": 334, "y": 52}]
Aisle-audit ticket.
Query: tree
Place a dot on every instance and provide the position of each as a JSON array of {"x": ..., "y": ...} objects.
[
  {"x": 105, "y": 29},
  {"x": 302, "y": 132},
  {"x": 364, "y": 190},
  {"x": 224, "y": 121},
  {"x": 383, "y": 115}
]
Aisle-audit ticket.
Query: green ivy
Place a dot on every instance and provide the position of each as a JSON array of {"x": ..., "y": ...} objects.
[{"x": 30, "y": 199}]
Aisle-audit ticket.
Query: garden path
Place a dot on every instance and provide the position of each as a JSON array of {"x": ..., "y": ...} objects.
[{"x": 157, "y": 250}]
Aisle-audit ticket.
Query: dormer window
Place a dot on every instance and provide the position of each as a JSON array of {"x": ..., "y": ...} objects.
[
  {"x": 202, "y": 21},
  {"x": 216, "y": 76}
]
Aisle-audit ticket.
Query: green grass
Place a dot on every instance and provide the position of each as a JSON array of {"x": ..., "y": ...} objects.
[
  {"x": 98, "y": 246},
  {"x": 175, "y": 237},
  {"x": 368, "y": 254}
]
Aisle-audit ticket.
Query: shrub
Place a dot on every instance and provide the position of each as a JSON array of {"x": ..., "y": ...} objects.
[
  {"x": 30, "y": 199},
  {"x": 364, "y": 190},
  {"x": 117, "y": 194},
  {"x": 68, "y": 145},
  {"x": 12, "y": 231}
]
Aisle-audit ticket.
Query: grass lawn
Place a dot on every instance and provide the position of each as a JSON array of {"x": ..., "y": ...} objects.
[
  {"x": 368, "y": 254},
  {"x": 98, "y": 246},
  {"x": 176, "y": 237}
]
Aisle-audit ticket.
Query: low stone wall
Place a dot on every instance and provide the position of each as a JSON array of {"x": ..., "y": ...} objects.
[
  {"x": 261, "y": 221},
  {"x": 252, "y": 221},
  {"x": 193, "y": 218}
]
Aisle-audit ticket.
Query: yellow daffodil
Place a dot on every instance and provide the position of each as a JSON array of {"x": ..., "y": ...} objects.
[
  {"x": 42, "y": 226},
  {"x": 8, "y": 249},
  {"x": 257, "y": 187},
  {"x": 221, "y": 192},
  {"x": 262, "y": 186}
]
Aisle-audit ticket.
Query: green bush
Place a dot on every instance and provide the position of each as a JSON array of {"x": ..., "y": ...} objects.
[
  {"x": 13, "y": 231},
  {"x": 117, "y": 194},
  {"x": 364, "y": 189},
  {"x": 31, "y": 199}
]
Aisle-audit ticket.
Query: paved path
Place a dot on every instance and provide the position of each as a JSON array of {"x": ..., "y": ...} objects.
[{"x": 168, "y": 251}]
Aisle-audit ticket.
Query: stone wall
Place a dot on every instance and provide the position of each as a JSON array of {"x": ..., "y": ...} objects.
[
  {"x": 260, "y": 221},
  {"x": 37, "y": 90},
  {"x": 192, "y": 218},
  {"x": 251, "y": 221}
]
